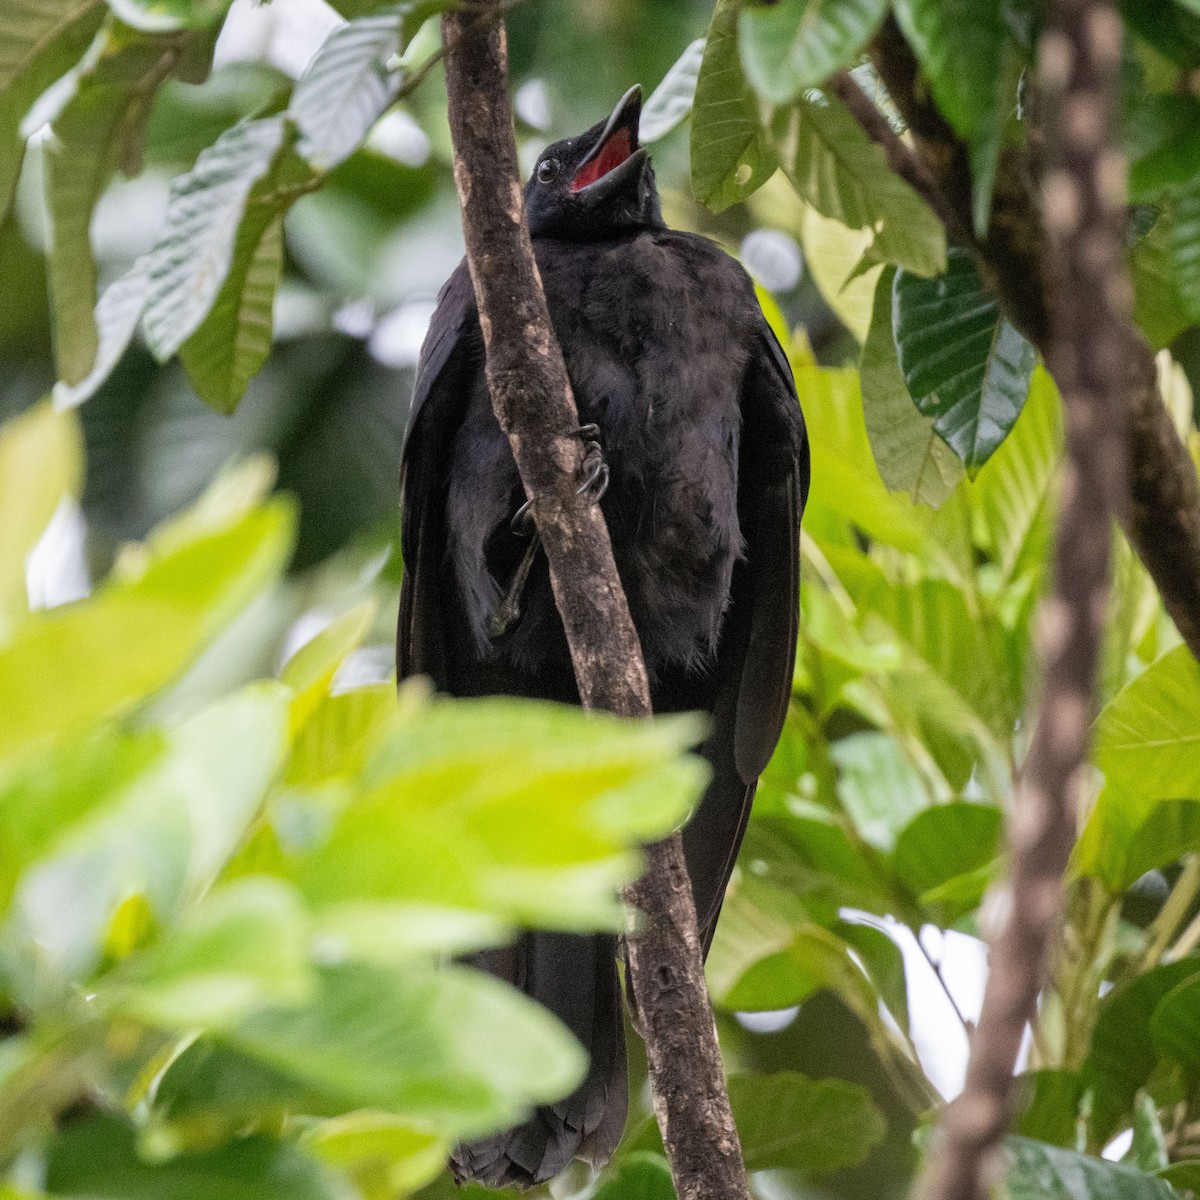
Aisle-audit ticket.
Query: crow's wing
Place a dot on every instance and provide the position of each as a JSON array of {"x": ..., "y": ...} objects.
[
  {"x": 758, "y": 642},
  {"x": 451, "y": 352}
]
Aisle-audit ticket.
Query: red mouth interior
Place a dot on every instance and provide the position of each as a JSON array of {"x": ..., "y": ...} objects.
[{"x": 612, "y": 154}]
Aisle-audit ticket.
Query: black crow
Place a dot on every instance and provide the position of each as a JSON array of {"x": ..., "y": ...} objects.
[{"x": 681, "y": 381}]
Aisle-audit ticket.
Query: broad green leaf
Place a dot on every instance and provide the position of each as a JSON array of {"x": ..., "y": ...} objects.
[
  {"x": 1185, "y": 247},
  {"x": 99, "y": 1157},
  {"x": 832, "y": 253},
  {"x": 169, "y": 814},
  {"x": 40, "y": 40},
  {"x": 1170, "y": 28},
  {"x": 910, "y": 455},
  {"x": 166, "y": 16},
  {"x": 964, "y": 365},
  {"x": 790, "y": 46},
  {"x": 1176, "y": 1023},
  {"x": 99, "y": 132},
  {"x": 1158, "y": 304},
  {"x": 386, "y": 1156},
  {"x": 1148, "y": 736},
  {"x": 845, "y": 480},
  {"x": 243, "y": 948},
  {"x": 339, "y": 734},
  {"x": 671, "y": 102},
  {"x": 1123, "y": 1052},
  {"x": 1163, "y": 138},
  {"x": 972, "y": 59},
  {"x": 234, "y": 339},
  {"x": 1040, "y": 1172},
  {"x": 41, "y": 461},
  {"x": 116, "y": 319},
  {"x": 944, "y": 844},
  {"x": 346, "y": 88},
  {"x": 731, "y": 152},
  {"x": 877, "y": 786},
  {"x": 450, "y": 1046},
  {"x": 246, "y": 178},
  {"x": 883, "y": 962},
  {"x": 311, "y": 669},
  {"x": 103, "y": 656},
  {"x": 844, "y": 175},
  {"x": 1013, "y": 486},
  {"x": 642, "y": 1175},
  {"x": 817, "y": 1126},
  {"x": 1048, "y": 1106}
]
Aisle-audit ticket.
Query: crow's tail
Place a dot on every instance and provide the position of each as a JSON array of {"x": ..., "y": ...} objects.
[{"x": 575, "y": 977}]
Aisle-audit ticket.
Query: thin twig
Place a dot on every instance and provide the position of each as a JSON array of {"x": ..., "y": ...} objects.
[{"x": 936, "y": 967}]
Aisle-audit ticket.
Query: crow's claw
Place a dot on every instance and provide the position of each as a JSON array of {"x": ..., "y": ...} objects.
[{"x": 594, "y": 485}]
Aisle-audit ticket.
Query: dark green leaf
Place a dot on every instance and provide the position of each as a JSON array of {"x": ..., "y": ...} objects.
[
  {"x": 1149, "y": 1149},
  {"x": 1040, "y": 1172},
  {"x": 965, "y": 366},
  {"x": 790, "y": 46},
  {"x": 1123, "y": 1052},
  {"x": 910, "y": 455},
  {"x": 1163, "y": 139},
  {"x": 164, "y": 16},
  {"x": 1185, "y": 247},
  {"x": 1175, "y": 1027},
  {"x": 731, "y": 153},
  {"x": 639, "y": 1176},
  {"x": 1048, "y": 1108},
  {"x": 1170, "y": 28},
  {"x": 40, "y": 40},
  {"x": 944, "y": 843},
  {"x": 1158, "y": 304},
  {"x": 790, "y": 1122},
  {"x": 884, "y": 964}
]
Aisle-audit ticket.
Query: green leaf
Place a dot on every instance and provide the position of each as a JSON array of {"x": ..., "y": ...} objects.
[
  {"x": 1185, "y": 247},
  {"x": 671, "y": 102},
  {"x": 310, "y": 670},
  {"x": 167, "y": 16},
  {"x": 245, "y": 179},
  {"x": 943, "y": 843},
  {"x": 639, "y": 1176},
  {"x": 234, "y": 339},
  {"x": 1123, "y": 1052},
  {"x": 169, "y": 813},
  {"x": 1170, "y": 28},
  {"x": 877, "y": 786},
  {"x": 116, "y": 318},
  {"x": 964, "y": 365},
  {"x": 1013, "y": 486},
  {"x": 910, "y": 455},
  {"x": 449, "y": 1046},
  {"x": 99, "y": 132},
  {"x": 1040, "y": 1172},
  {"x": 884, "y": 964},
  {"x": 972, "y": 59},
  {"x": 1163, "y": 139},
  {"x": 40, "y": 40},
  {"x": 789, "y": 1122},
  {"x": 98, "y": 1157},
  {"x": 1158, "y": 304},
  {"x": 1148, "y": 736},
  {"x": 731, "y": 153},
  {"x": 70, "y": 666},
  {"x": 346, "y": 88},
  {"x": 1149, "y": 1149},
  {"x": 245, "y": 947},
  {"x": 844, "y": 175},
  {"x": 386, "y": 1156},
  {"x": 832, "y": 254},
  {"x": 41, "y": 462},
  {"x": 1049, "y": 1104},
  {"x": 790, "y": 46}
]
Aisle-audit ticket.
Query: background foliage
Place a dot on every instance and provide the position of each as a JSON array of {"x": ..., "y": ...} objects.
[{"x": 230, "y": 861}]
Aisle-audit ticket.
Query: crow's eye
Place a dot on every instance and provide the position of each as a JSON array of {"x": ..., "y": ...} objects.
[{"x": 547, "y": 169}]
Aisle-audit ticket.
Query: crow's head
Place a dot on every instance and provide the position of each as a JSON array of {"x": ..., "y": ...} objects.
[{"x": 597, "y": 183}]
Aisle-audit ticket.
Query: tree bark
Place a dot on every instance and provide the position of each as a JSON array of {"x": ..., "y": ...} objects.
[
  {"x": 532, "y": 398},
  {"x": 1089, "y": 329},
  {"x": 1162, "y": 516}
]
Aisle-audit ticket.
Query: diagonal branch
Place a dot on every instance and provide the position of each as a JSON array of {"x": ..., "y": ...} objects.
[
  {"x": 532, "y": 397},
  {"x": 1162, "y": 515},
  {"x": 1089, "y": 339}
]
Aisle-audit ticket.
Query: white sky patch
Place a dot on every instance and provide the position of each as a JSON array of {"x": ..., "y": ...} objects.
[
  {"x": 532, "y": 104},
  {"x": 398, "y": 136},
  {"x": 286, "y": 35},
  {"x": 773, "y": 258},
  {"x": 396, "y": 340},
  {"x": 56, "y": 569}
]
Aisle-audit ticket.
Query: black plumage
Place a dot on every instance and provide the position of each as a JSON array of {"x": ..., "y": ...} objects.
[{"x": 669, "y": 355}]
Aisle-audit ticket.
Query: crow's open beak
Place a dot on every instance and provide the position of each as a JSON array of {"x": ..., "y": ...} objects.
[{"x": 616, "y": 160}]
